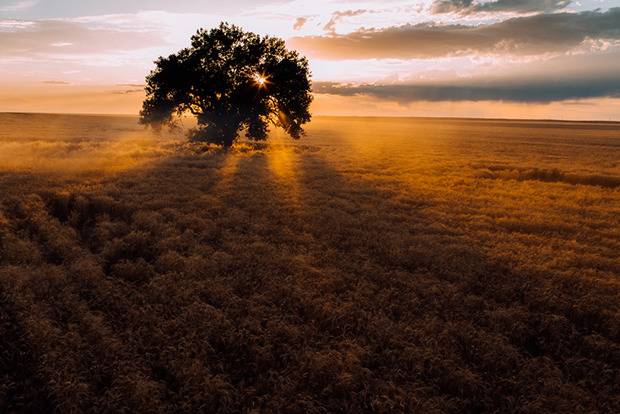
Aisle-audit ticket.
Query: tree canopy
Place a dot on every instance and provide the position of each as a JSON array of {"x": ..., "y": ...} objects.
[{"x": 230, "y": 80}]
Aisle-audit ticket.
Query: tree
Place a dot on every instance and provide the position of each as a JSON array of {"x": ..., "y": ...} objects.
[{"x": 230, "y": 80}]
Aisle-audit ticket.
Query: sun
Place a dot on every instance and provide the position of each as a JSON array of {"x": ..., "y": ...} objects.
[{"x": 260, "y": 79}]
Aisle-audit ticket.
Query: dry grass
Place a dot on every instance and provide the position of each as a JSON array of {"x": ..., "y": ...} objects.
[{"x": 378, "y": 265}]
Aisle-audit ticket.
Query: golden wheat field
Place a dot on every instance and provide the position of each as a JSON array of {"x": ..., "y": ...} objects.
[{"x": 377, "y": 265}]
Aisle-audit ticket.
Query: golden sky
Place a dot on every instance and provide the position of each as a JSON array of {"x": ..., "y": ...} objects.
[{"x": 481, "y": 58}]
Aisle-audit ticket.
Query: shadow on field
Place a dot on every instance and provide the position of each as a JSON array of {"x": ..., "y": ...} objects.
[
  {"x": 493, "y": 315},
  {"x": 500, "y": 172},
  {"x": 269, "y": 281},
  {"x": 21, "y": 389}
]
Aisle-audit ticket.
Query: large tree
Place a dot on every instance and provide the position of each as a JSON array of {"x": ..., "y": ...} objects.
[{"x": 230, "y": 80}]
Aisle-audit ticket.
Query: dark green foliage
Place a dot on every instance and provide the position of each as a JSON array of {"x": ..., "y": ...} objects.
[{"x": 230, "y": 80}]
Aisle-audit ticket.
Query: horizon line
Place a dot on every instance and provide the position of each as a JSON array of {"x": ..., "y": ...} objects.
[{"x": 456, "y": 118}]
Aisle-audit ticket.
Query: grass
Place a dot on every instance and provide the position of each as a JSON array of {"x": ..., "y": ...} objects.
[{"x": 377, "y": 265}]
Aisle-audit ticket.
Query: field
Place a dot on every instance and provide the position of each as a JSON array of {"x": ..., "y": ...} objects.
[{"x": 376, "y": 265}]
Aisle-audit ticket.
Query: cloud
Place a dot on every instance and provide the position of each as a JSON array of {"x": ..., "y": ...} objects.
[
  {"x": 299, "y": 23},
  {"x": 560, "y": 79},
  {"x": 54, "y": 82},
  {"x": 532, "y": 92},
  {"x": 67, "y": 37},
  {"x": 330, "y": 26},
  {"x": 514, "y": 6},
  {"x": 530, "y": 35},
  {"x": 451, "y": 6},
  {"x": 75, "y": 8},
  {"x": 18, "y": 6},
  {"x": 128, "y": 92}
]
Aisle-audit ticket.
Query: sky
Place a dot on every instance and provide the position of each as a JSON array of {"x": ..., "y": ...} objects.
[{"x": 555, "y": 59}]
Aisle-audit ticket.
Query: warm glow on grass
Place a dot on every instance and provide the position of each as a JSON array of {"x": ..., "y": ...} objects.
[
  {"x": 345, "y": 251},
  {"x": 58, "y": 144},
  {"x": 283, "y": 163}
]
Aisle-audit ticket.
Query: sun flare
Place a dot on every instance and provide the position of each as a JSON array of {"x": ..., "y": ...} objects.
[{"x": 260, "y": 79}]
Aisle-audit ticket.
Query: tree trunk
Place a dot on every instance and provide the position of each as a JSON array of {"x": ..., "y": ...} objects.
[
  {"x": 228, "y": 141},
  {"x": 229, "y": 133}
]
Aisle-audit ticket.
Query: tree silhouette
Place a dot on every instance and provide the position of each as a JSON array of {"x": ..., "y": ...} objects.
[{"x": 230, "y": 80}]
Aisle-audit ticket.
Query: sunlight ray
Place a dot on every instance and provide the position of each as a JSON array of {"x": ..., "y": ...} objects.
[
  {"x": 283, "y": 164},
  {"x": 228, "y": 170}
]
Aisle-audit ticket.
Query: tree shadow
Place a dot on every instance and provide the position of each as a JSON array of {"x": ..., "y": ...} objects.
[
  {"x": 22, "y": 388},
  {"x": 386, "y": 241},
  {"x": 270, "y": 278}
]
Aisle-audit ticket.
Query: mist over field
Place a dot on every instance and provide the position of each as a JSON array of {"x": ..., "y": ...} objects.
[{"x": 376, "y": 265}]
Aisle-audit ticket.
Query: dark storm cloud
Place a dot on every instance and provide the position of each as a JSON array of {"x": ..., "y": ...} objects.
[
  {"x": 515, "y": 6},
  {"x": 529, "y": 35}
]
